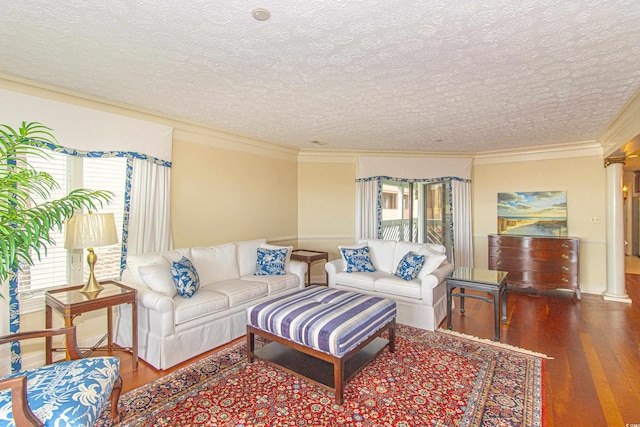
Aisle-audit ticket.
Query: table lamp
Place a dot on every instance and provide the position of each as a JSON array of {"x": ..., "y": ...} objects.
[{"x": 90, "y": 231}]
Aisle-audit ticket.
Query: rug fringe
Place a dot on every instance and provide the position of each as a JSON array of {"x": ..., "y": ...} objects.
[{"x": 494, "y": 343}]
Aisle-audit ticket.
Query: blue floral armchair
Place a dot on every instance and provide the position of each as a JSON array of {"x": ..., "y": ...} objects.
[{"x": 69, "y": 393}]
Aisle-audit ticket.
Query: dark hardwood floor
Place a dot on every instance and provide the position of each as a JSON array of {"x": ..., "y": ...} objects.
[{"x": 594, "y": 376}]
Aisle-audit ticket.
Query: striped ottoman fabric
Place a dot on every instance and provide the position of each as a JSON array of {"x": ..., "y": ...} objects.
[{"x": 326, "y": 319}]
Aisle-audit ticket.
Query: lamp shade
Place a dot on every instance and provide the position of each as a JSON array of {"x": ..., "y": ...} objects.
[{"x": 90, "y": 231}]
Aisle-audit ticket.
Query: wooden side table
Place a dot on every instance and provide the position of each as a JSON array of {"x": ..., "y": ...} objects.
[
  {"x": 71, "y": 303},
  {"x": 309, "y": 256},
  {"x": 490, "y": 281}
]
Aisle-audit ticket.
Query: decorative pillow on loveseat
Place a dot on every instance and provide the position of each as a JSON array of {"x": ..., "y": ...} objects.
[
  {"x": 357, "y": 259},
  {"x": 410, "y": 266},
  {"x": 158, "y": 277},
  {"x": 185, "y": 277},
  {"x": 271, "y": 262}
]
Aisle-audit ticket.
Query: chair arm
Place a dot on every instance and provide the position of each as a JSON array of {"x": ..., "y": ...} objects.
[
  {"x": 69, "y": 332},
  {"x": 22, "y": 414}
]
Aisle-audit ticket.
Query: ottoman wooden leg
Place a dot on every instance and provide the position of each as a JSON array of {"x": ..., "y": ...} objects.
[
  {"x": 338, "y": 379},
  {"x": 250, "y": 345}
]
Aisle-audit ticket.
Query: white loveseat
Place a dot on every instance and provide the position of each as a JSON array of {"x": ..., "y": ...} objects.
[
  {"x": 171, "y": 328},
  {"x": 421, "y": 302}
]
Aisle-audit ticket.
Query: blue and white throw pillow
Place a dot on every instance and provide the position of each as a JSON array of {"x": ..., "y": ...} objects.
[
  {"x": 409, "y": 266},
  {"x": 358, "y": 259},
  {"x": 271, "y": 262},
  {"x": 185, "y": 277}
]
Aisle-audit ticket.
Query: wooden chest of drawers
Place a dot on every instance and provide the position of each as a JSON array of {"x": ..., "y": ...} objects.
[{"x": 538, "y": 262}]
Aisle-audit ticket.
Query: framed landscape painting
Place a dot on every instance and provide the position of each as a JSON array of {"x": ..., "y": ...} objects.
[{"x": 539, "y": 213}]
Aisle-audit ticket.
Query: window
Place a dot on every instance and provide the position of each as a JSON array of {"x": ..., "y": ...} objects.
[
  {"x": 422, "y": 215},
  {"x": 399, "y": 219},
  {"x": 58, "y": 266}
]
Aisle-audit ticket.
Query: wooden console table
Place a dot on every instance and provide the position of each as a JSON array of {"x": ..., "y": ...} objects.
[{"x": 71, "y": 303}]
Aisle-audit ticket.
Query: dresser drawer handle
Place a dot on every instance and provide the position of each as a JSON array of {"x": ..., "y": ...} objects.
[
  {"x": 499, "y": 251},
  {"x": 498, "y": 262},
  {"x": 565, "y": 268},
  {"x": 498, "y": 242},
  {"x": 565, "y": 256},
  {"x": 565, "y": 280},
  {"x": 565, "y": 245}
]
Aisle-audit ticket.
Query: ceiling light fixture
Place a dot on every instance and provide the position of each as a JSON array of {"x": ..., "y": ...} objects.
[{"x": 260, "y": 14}]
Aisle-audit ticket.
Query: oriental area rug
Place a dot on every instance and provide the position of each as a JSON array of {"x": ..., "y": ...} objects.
[{"x": 433, "y": 379}]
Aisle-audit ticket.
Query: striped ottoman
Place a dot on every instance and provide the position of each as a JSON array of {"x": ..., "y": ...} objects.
[{"x": 319, "y": 325}]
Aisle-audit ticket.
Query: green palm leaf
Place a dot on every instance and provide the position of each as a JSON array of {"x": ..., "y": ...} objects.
[{"x": 25, "y": 225}]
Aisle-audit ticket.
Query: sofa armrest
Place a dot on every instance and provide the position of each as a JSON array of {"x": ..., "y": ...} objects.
[
  {"x": 299, "y": 268},
  {"x": 156, "y": 312},
  {"x": 443, "y": 271},
  {"x": 437, "y": 277},
  {"x": 155, "y": 301},
  {"x": 332, "y": 268}
]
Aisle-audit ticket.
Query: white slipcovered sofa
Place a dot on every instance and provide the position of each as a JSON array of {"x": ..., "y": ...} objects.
[
  {"x": 172, "y": 328},
  {"x": 421, "y": 302}
]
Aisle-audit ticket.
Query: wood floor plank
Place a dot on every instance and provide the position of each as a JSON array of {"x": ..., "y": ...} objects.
[{"x": 605, "y": 394}]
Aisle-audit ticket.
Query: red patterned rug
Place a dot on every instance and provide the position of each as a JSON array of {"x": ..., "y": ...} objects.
[{"x": 433, "y": 379}]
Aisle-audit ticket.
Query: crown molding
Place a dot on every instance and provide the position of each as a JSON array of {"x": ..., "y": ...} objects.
[
  {"x": 624, "y": 127},
  {"x": 345, "y": 156},
  {"x": 543, "y": 152},
  {"x": 184, "y": 130},
  {"x": 203, "y": 135}
]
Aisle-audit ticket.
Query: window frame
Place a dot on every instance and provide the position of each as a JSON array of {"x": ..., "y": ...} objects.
[{"x": 76, "y": 268}]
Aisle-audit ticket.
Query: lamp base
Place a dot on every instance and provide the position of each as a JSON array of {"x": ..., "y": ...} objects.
[
  {"x": 92, "y": 283},
  {"x": 91, "y": 287}
]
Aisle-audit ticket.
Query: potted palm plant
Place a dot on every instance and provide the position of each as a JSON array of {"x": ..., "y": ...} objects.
[{"x": 24, "y": 224}]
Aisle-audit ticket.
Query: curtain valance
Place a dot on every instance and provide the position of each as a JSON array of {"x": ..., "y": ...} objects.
[
  {"x": 413, "y": 167},
  {"x": 86, "y": 129},
  {"x": 389, "y": 178}
]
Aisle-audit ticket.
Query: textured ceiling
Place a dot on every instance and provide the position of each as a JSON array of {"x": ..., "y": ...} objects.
[{"x": 444, "y": 76}]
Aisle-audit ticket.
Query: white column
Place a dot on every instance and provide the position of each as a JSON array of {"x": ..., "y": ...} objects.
[{"x": 616, "y": 290}]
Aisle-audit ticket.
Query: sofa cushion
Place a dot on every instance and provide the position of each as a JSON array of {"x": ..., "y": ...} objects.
[
  {"x": 358, "y": 260},
  {"x": 288, "y": 248},
  {"x": 432, "y": 261},
  {"x": 216, "y": 263},
  {"x": 202, "y": 303},
  {"x": 247, "y": 254},
  {"x": 185, "y": 277},
  {"x": 271, "y": 262},
  {"x": 275, "y": 284},
  {"x": 410, "y": 265},
  {"x": 434, "y": 247},
  {"x": 136, "y": 260},
  {"x": 341, "y": 247},
  {"x": 382, "y": 252},
  {"x": 360, "y": 280},
  {"x": 158, "y": 277},
  {"x": 393, "y": 285},
  {"x": 433, "y": 257},
  {"x": 240, "y": 291}
]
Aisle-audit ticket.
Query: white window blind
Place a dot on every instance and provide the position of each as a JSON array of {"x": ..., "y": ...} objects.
[
  {"x": 54, "y": 267},
  {"x": 51, "y": 269},
  {"x": 107, "y": 174}
]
